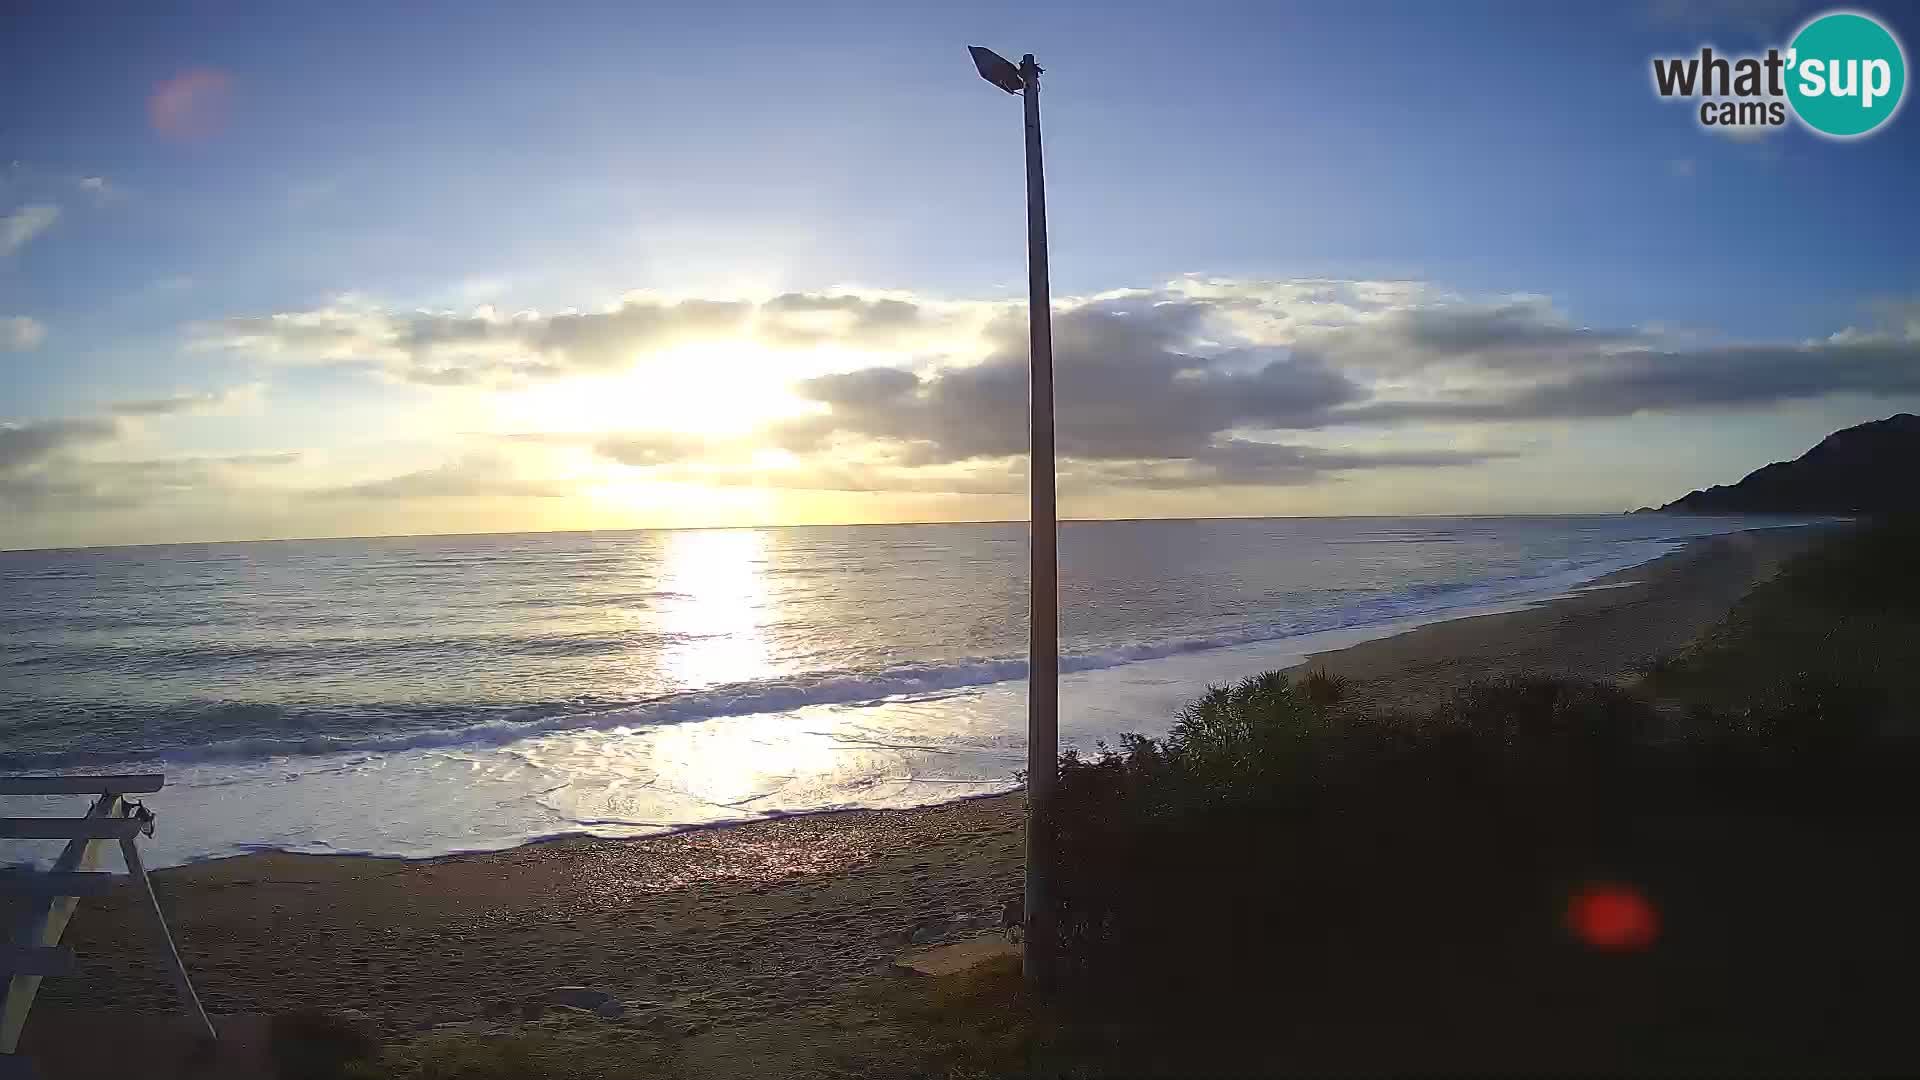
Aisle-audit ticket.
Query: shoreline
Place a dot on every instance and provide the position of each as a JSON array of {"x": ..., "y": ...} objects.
[
  {"x": 741, "y": 921},
  {"x": 1608, "y": 628},
  {"x": 907, "y": 751}
]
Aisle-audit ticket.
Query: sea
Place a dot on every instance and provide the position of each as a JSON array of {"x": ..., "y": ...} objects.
[{"x": 420, "y": 696}]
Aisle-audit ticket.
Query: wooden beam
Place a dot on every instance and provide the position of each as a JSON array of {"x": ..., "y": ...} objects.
[
  {"x": 86, "y": 828},
  {"x": 57, "y": 882},
  {"x": 46, "y": 919},
  {"x": 118, "y": 784},
  {"x": 36, "y": 960}
]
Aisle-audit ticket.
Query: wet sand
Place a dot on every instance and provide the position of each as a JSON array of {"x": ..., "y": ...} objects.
[{"x": 765, "y": 922}]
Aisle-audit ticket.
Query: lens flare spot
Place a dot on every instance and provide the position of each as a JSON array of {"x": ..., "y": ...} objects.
[
  {"x": 1613, "y": 918},
  {"x": 191, "y": 105}
]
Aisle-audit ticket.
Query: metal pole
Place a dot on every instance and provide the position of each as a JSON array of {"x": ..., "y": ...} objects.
[{"x": 1043, "y": 649}]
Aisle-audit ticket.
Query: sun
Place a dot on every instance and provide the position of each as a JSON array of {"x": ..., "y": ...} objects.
[{"x": 716, "y": 389}]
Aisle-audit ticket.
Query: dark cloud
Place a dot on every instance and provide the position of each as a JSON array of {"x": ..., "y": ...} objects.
[
  {"x": 69, "y": 484},
  {"x": 1509, "y": 338},
  {"x": 1253, "y": 463},
  {"x": 65, "y": 490},
  {"x": 1456, "y": 331},
  {"x": 1125, "y": 389},
  {"x": 22, "y": 445},
  {"x": 865, "y": 389},
  {"x": 1729, "y": 377},
  {"x": 796, "y": 319},
  {"x": 611, "y": 339},
  {"x": 1245, "y": 461}
]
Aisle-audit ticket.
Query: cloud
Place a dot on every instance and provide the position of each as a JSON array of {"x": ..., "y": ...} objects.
[
  {"x": 608, "y": 340},
  {"x": 1552, "y": 371},
  {"x": 1125, "y": 389},
  {"x": 1505, "y": 337},
  {"x": 1244, "y": 461},
  {"x": 44, "y": 465},
  {"x": 1197, "y": 382},
  {"x": 100, "y": 189},
  {"x": 478, "y": 348},
  {"x": 24, "y": 445},
  {"x": 652, "y": 447},
  {"x": 204, "y": 402},
  {"x": 486, "y": 347},
  {"x": 811, "y": 318},
  {"x": 65, "y": 484},
  {"x": 1726, "y": 377},
  {"x": 1235, "y": 462},
  {"x": 18, "y": 333},
  {"x": 474, "y": 476},
  {"x": 20, "y": 227}
]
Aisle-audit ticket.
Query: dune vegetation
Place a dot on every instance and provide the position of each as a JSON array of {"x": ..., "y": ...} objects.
[{"x": 1707, "y": 870}]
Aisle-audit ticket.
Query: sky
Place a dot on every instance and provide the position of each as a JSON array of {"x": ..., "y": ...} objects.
[{"x": 322, "y": 270}]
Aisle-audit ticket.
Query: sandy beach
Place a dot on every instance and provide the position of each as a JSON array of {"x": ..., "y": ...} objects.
[{"x": 751, "y": 930}]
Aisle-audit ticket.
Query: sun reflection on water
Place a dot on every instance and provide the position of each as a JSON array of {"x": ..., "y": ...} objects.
[{"x": 714, "y": 608}]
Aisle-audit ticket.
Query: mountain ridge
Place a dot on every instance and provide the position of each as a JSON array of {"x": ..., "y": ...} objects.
[{"x": 1865, "y": 469}]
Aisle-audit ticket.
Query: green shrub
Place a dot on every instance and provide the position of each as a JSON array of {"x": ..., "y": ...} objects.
[
  {"x": 1871, "y": 568},
  {"x": 1844, "y": 614},
  {"x": 1262, "y": 830},
  {"x": 1323, "y": 688},
  {"x": 314, "y": 1044}
]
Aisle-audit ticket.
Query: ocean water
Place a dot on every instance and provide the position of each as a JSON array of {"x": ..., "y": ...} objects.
[{"x": 424, "y": 695}]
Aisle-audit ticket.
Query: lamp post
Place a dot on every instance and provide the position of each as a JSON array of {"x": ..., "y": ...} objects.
[{"x": 1043, "y": 595}]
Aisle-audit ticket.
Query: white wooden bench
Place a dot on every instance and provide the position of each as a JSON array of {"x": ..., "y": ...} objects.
[{"x": 50, "y": 895}]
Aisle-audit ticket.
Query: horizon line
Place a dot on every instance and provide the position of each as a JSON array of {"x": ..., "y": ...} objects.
[{"x": 803, "y": 525}]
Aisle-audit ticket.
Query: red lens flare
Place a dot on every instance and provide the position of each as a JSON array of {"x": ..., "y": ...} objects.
[
  {"x": 1613, "y": 918},
  {"x": 191, "y": 105}
]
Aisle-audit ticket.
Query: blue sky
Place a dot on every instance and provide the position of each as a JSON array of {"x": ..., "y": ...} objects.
[{"x": 380, "y": 160}]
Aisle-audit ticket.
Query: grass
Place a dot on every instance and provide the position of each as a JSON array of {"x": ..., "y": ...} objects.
[{"x": 1844, "y": 614}]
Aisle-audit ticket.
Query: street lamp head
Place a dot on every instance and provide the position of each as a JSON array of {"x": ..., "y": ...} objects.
[{"x": 997, "y": 69}]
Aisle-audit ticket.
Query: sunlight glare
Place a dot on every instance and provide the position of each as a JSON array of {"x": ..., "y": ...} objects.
[
  {"x": 713, "y": 388},
  {"x": 714, "y": 608}
]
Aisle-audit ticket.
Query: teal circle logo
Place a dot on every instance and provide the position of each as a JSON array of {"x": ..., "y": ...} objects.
[{"x": 1846, "y": 74}]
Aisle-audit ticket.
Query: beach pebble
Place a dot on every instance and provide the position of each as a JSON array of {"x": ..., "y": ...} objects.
[
  {"x": 579, "y": 997},
  {"x": 932, "y": 931},
  {"x": 465, "y": 1027},
  {"x": 610, "y": 1010}
]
